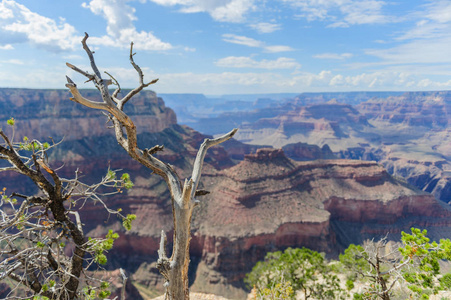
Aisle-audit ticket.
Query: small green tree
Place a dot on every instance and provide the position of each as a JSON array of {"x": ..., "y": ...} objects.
[
  {"x": 424, "y": 256},
  {"x": 445, "y": 282},
  {"x": 44, "y": 250},
  {"x": 415, "y": 265},
  {"x": 305, "y": 270}
]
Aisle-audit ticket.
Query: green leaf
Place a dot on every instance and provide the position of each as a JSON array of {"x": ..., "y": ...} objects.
[
  {"x": 126, "y": 181},
  {"x": 104, "y": 294},
  {"x": 304, "y": 269},
  {"x": 127, "y": 221},
  {"x": 110, "y": 175},
  {"x": 104, "y": 285},
  {"x": 101, "y": 259}
]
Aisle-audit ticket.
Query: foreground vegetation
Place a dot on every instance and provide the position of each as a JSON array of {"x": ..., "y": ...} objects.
[
  {"x": 408, "y": 269},
  {"x": 30, "y": 219},
  {"x": 44, "y": 249}
]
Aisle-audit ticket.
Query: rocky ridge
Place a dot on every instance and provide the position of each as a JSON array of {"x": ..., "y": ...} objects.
[
  {"x": 270, "y": 202},
  {"x": 47, "y": 113},
  {"x": 408, "y": 133},
  {"x": 264, "y": 203},
  {"x": 329, "y": 123}
]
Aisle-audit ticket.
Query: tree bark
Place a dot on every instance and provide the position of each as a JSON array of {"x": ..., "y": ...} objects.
[{"x": 175, "y": 268}]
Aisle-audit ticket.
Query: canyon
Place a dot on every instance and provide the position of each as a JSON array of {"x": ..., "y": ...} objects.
[
  {"x": 325, "y": 183},
  {"x": 408, "y": 133}
]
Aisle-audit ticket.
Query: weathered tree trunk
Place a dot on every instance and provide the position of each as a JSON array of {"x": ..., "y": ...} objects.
[
  {"x": 175, "y": 268},
  {"x": 385, "y": 295}
]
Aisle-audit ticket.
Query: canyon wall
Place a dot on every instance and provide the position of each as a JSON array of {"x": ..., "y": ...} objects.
[
  {"x": 45, "y": 113},
  {"x": 408, "y": 133},
  {"x": 264, "y": 202}
]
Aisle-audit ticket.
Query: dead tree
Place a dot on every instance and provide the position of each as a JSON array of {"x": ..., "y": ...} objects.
[
  {"x": 175, "y": 268},
  {"x": 44, "y": 250}
]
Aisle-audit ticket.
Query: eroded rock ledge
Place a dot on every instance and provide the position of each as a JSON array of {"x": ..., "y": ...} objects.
[{"x": 269, "y": 202}]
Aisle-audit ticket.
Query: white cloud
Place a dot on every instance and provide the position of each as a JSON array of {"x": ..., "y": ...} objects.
[
  {"x": 250, "y": 42},
  {"x": 233, "y": 11},
  {"x": 266, "y": 27},
  {"x": 220, "y": 10},
  {"x": 364, "y": 12},
  {"x": 117, "y": 13},
  {"x": 333, "y": 56},
  {"x": 427, "y": 83},
  {"x": 12, "y": 61},
  {"x": 127, "y": 77},
  {"x": 379, "y": 80},
  {"x": 241, "y": 40},
  {"x": 439, "y": 11},
  {"x": 425, "y": 51},
  {"x": 247, "y": 62},
  {"x": 73, "y": 56},
  {"x": 434, "y": 22},
  {"x": 311, "y": 79},
  {"x": 7, "y": 47},
  {"x": 270, "y": 81},
  {"x": 6, "y": 12},
  {"x": 33, "y": 76},
  {"x": 230, "y": 82},
  {"x": 18, "y": 24},
  {"x": 423, "y": 48},
  {"x": 120, "y": 29},
  {"x": 337, "y": 80},
  {"x": 278, "y": 48},
  {"x": 342, "y": 13}
]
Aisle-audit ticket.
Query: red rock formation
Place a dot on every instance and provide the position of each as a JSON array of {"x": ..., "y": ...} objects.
[
  {"x": 47, "y": 113},
  {"x": 316, "y": 124},
  {"x": 415, "y": 137},
  {"x": 302, "y": 152},
  {"x": 270, "y": 202},
  {"x": 413, "y": 109},
  {"x": 265, "y": 203}
]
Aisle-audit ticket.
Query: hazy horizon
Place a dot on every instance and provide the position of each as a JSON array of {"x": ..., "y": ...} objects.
[{"x": 232, "y": 46}]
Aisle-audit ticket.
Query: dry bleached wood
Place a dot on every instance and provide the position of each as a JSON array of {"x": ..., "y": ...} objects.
[{"x": 175, "y": 268}]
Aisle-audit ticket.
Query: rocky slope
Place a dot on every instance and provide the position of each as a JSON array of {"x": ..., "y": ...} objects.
[
  {"x": 49, "y": 113},
  {"x": 270, "y": 202},
  {"x": 335, "y": 124},
  {"x": 303, "y": 152},
  {"x": 408, "y": 133},
  {"x": 428, "y": 109},
  {"x": 415, "y": 138},
  {"x": 264, "y": 203}
]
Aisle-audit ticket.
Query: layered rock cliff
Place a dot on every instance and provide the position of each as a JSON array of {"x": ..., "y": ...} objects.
[
  {"x": 428, "y": 109},
  {"x": 415, "y": 138},
  {"x": 331, "y": 123},
  {"x": 269, "y": 202},
  {"x": 408, "y": 133},
  {"x": 264, "y": 203},
  {"x": 47, "y": 113}
]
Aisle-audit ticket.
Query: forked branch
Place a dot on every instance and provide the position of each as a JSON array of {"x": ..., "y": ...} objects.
[{"x": 174, "y": 269}]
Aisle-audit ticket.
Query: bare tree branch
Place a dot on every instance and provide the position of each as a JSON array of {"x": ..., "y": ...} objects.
[
  {"x": 174, "y": 269},
  {"x": 33, "y": 228}
]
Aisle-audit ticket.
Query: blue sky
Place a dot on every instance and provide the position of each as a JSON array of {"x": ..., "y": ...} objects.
[{"x": 232, "y": 46}]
